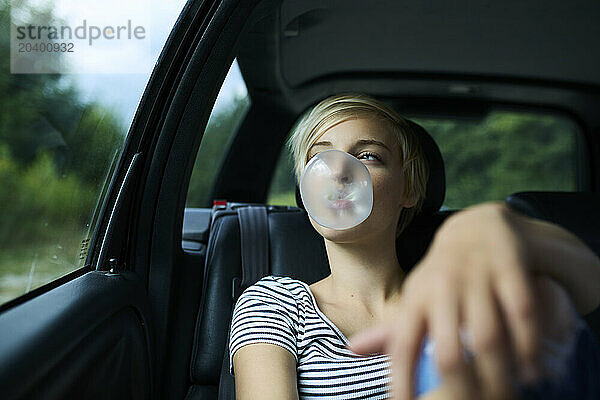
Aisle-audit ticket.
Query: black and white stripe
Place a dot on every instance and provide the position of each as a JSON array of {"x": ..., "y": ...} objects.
[{"x": 283, "y": 311}]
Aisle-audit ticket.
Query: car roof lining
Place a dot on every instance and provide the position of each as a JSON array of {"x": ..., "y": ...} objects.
[
  {"x": 292, "y": 48},
  {"x": 556, "y": 41},
  {"x": 542, "y": 78}
]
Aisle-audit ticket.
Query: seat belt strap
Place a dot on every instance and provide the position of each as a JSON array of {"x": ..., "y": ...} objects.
[{"x": 254, "y": 240}]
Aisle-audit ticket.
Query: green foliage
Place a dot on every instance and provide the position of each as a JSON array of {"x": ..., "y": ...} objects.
[
  {"x": 283, "y": 179},
  {"x": 287, "y": 198},
  {"x": 39, "y": 202},
  {"x": 505, "y": 153},
  {"x": 45, "y": 113},
  {"x": 55, "y": 152}
]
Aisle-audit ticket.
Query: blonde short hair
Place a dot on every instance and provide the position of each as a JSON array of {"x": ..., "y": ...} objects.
[{"x": 336, "y": 109}]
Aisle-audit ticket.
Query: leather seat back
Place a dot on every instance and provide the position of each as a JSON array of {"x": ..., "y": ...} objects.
[
  {"x": 578, "y": 212},
  {"x": 301, "y": 255}
]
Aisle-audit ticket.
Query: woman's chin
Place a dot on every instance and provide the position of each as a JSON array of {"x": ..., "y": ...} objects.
[
  {"x": 374, "y": 229},
  {"x": 350, "y": 235}
]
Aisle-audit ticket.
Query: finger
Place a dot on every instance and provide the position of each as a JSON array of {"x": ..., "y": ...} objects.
[
  {"x": 457, "y": 375},
  {"x": 491, "y": 362},
  {"x": 404, "y": 350},
  {"x": 444, "y": 327},
  {"x": 517, "y": 304},
  {"x": 371, "y": 341}
]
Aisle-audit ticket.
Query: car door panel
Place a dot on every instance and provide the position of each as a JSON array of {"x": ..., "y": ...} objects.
[{"x": 85, "y": 339}]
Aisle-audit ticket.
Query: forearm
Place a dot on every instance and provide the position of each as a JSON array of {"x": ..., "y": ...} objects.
[{"x": 557, "y": 253}]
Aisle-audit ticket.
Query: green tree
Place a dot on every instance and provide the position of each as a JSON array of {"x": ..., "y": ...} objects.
[
  {"x": 504, "y": 153},
  {"x": 55, "y": 152},
  {"x": 45, "y": 113}
]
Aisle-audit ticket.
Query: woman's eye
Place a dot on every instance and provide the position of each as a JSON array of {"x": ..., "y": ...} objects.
[{"x": 369, "y": 157}]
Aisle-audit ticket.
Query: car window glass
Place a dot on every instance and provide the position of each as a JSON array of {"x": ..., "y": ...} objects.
[
  {"x": 283, "y": 185},
  {"x": 231, "y": 106},
  {"x": 486, "y": 159},
  {"x": 504, "y": 153},
  {"x": 60, "y": 135}
]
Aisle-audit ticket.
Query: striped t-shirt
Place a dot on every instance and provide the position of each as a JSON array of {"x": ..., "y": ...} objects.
[{"x": 284, "y": 312}]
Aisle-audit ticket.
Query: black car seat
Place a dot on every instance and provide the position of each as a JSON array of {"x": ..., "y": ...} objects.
[
  {"x": 578, "y": 212},
  {"x": 292, "y": 248}
]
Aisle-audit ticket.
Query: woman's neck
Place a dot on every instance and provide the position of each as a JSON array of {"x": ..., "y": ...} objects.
[{"x": 367, "y": 271}]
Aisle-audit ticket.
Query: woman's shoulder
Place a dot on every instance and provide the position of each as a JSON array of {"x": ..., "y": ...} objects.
[
  {"x": 274, "y": 282},
  {"x": 281, "y": 287}
]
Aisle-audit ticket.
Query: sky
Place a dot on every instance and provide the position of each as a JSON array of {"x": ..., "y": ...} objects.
[{"x": 102, "y": 72}]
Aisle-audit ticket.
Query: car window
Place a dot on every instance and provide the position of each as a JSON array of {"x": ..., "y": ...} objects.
[
  {"x": 283, "y": 185},
  {"x": 231, "y": 106},
  {"x": 506, "y": 152},
  {"x": 63, "y": 119},
  {"x": 486, "y": 159}
]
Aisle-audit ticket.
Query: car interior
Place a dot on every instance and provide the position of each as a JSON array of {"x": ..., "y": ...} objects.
[
  {"x": 346, "y": 61},
  {"x": 149, "y": 316}
]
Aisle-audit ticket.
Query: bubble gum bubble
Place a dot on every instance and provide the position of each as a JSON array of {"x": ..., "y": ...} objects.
[{"x": 336, "y": 190}]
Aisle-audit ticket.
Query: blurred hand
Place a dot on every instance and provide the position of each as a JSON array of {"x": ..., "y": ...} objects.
[{"x": 476, "y": 276}]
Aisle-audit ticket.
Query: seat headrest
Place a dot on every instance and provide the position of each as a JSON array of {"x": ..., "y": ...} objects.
[{"x": 436, "y": 184}]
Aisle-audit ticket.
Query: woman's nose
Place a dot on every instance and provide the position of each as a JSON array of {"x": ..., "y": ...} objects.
[{"x": 342, "y": 180}]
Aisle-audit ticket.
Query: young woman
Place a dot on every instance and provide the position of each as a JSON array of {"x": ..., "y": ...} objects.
[{"x": 488, "y": 270}]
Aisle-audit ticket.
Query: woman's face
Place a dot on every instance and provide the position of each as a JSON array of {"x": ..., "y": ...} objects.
[{"x": 373, "y": 143}]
